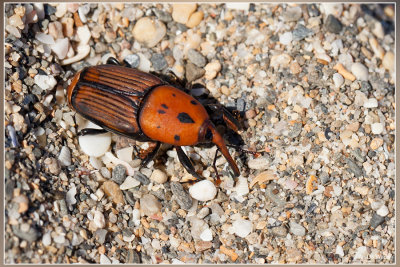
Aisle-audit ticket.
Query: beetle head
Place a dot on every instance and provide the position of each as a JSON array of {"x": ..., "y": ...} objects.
[{"x": 210, "y": 134}]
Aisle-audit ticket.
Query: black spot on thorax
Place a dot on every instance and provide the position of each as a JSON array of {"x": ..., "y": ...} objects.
[
  {"x": 185, "y": 118},
  {"x": 164, "y": 106},
  {"x": 161, "y": 111},
  {"x": 193, "y": 102},
  {"x": 177, "y": 137}
]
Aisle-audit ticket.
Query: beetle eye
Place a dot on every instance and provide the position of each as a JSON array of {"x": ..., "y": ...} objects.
[{"x": 208, "y": 135}]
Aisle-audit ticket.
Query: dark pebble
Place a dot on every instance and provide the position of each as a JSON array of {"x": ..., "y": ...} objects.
[
  {"x": 354, "y": 168},
  {"x": 333, "y": 25},
  {"x": 49, "y": 10},
  {"x": 371, "y": 154},
  {"x": 119, "y": 174},
  {"x": 192, "y": 72},
  {"x": 301, "y": 32},
  {"x": 182, "y": 197},
  {"x": 181, "y": 27},
  {"x": 365, "y": 87},
  {"x": 141, "y": 178},
  {"x": 196, "y": 58},
  {"x": 158, "y": 61},
  {"x": 311, "y": 208},
  {"x": 132, "y": 257},
  {"x": 129, "y": 197},
  {"x": 9, "y": 188},
  {"x": 31, "y": 235},
  {"x": 162, "y": 15},
  {"x": 100, "y": 235},
  {"x": 328, "y": 132},
  {"x": 376, "y": 220},
  {"x": 313, "y": 10},
  {"x": 29, "y": 99},
  {"x": 132, "y": 60}
]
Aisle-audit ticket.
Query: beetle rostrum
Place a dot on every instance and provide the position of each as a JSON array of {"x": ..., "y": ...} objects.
[{"x": 144, "y": 107}]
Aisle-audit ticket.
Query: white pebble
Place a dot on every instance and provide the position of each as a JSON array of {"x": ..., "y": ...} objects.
[
  {"x": 286, "y": 38},
  {"x": 45, "y": 38},
  {"x": 242, "y": 228},
  {"x": 238, "y": 6},
  {"x": 125, "y": 154},
  {"x": 377, "y": 128},
  {"x": 129, "y": 183},
  {"x": 96, "y": 163},
  {"x": 60, "y": 47},
  {"x": 383, "y": 211},
  {"x": 95, "y": 145},
  {"x": 104, "y": 259},
  {"x": 338, "y": 80},
  {"x": 206, "y": 235},
  {"x": 60, "y": 239},
  {"x": 46, "y": 239},
  {"x": 360, "y": 71},
  {"x": 362, "y": 253},
  {"x": 260, "y": 163},
  {"x": 70, "y": 196},
  {"x": 98, "y": 219},
  {"x": 159, "y": 176},
  {"x": 203, "y": 190},
  {"x": 242, "y": 187},
  {"x": 65, "y": 156},
  {"x": 339, "y": 250},
  {"x": 371, "y": 103},
  {"x": 144, "y": 63},
  {"x": 84, "y": 34},
  {"x": 45, "y": 82}
]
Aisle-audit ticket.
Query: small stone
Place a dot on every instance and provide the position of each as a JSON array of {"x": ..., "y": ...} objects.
[
  {"x": 182, "y": 12},
  {"x": 99, "y": 219},
  {"x": 70, "y": 196},
  {"x": 383, "y": 211},
  {"x": 293, "y": 255},
  {"x": 212, "y": 69},
  {"x": 297, "y": 229},
  {"x": 100, "y": 235},
  {"x": 377, "y": 30},
  {"x": 377, "y": 128},
  {"x": 360, "y": 71},
  {"x": 338, "y": 80},
  {"x": 295, "y": 67},
  {"x": 378, "y": 50},
  {"x": 125, "y": 154},
  {"x": 361, "y": 253},
  {"x": 45, "y": 38},
  {"x": 301, "y": 32},
  {"x": 196, "y": 58},
  {"x": 333, "y": 25},
  {"x": 45, "y": 82},
  {"x": 206, "y": 235},
  {"x": 158, "y": 61},
  {"x": 204, "y": 190},
  {"x": 195, "y": 19},
  {"x": 141, "y": 178},
  {"x": 30, "y": 234},
  {"x": 149, "y": 205},
  {"x": 376, "y": 220},
  {"x": 149, "y": 31},
  {"x": 23, "y": 203},
  {"x": 65, "y": 156},
  {"x": 104, "y": 259},
  {"x": 60, "y": 48},
  {"x": 286, "y": 38},
  {"x": 182, "y": 196},
  {"x": 388, "y": 61},
  {"x": 242, "y": 228},
  {"x": 279, "y": 231},
  {"x": 53, "y": 165},
  {"x": 129, "y": 183},
  {"x": 280, "y": 61},
  {"x": 260, "y": 163},
  {"x": 339, "y": 250},
  {"x": 193, "y": 72},
  {"x": 133, "y": 60},
  {"x": 292, "y": 13},
  {"x": 376, "y": 143},
  {"x": 345, "y": 73},
  {"x": 68, "y": 26},
  {"x": 354, "y": 168},
  {"x": 202, "y": 245},
  {"x": 113, "y": 191},
  {"x": 371, "y": 103},
  {"x": 59, "y": 239},
  {"x": 46, "y": 239},
  {"x": 119, "y": 174},
  {"x": 61, "y": 10},
  {"x": 144, "y": 63},
  {"x": 159, "y": 176}
]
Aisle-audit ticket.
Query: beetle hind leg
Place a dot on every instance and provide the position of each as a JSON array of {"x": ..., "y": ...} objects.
[
  {"x": 91, "y": 131},
  {"x": 113, "y": 61},
  {"x": 187, "y": 164}
]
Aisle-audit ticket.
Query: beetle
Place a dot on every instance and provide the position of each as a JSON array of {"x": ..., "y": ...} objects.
[{"x": 145, "y": 107}]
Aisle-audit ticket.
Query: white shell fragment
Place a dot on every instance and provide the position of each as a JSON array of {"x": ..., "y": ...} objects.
[{"x": 203, "y": 190}]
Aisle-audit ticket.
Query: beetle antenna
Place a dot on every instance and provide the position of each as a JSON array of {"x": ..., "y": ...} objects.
[{"x": 246, "y": 151}]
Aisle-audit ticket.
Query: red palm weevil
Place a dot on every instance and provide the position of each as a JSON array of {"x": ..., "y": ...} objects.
[{"x": 144, "y": 107}]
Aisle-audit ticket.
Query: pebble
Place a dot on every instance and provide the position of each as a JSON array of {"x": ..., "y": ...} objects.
[
  {"x": 360, "y": 71},
  {"x": 144, "y": 63},
  {"x": 204, "y": 190},
  {"x": 133, "y": 60},
  {"x": 149, "y": 205},
  {"x": 46, "y": 239},
  {"x": 388, "y": 61},
  {"x": 119, "y": 174},
  {"x": 260, "y": 163},
  {"x": 182, "y": 12},
  {"x": 195, "y": 19},
  {"x": 376, "y": 143},
  {"x": 383, "y": 211},
  {"x": 159, "y": 176},
  {"x": 129, "y": 183},
  {"x": 338, "y": 80},
  {"x": 113, "y": 191},
  {"x": 297, "y": 229},
  {"x": 339, "y": 250},
  {"x": 53, "y": 165},
  {"x": 333, "y": 25},
  {"x": 101, "y": 235},
  {"x": 361, "y": 253},
  {"x": 104, "y": 259},
  {"x": 60, "y": 47},
  {"x": 158, "y": 62},
  {"x": 149, "y": 31},
  {"x": 376, "y": 220},
  {"x": 99, "y": 219},
  {"x": 212, "y": 69},
  {"x": 292, "y": 13},
  {"x": 286, "y": 38},
  {"x": 29, "y": 234},
  {"x": 193, "y": 72},
  {"x": 377, "y": 128},
  {"x": 70, "y": 196},
  {"x": 301, "y": 32},
  {"x": 242, "y": 228},
  {"x": 182, "y": 196},
  {"x": 379, "y": 52},
  {"x": 95, "y": 145},
  {"x": 65, "y": 156},
  {"x": 23, "y": 203},
  {"x": 295, "y": 67},
  {"x": 45, "y": 82},
  {"x": 354, "y": 168},
  {"x": 196, "y": 58},
  {"x": 125, "y": 154},
  {"x": 141, "y": 178},
  {"x": 345, "y": 73},
  {"x": 206, "y": 235},
  {"x": 371, "y": 103},
  {"x": 280, "y": 61},
  {"x": 45, "y": 38}
]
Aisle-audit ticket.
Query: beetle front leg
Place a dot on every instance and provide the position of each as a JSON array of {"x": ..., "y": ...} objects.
[
  {"x": 151, "y": 155},
  {"x": 187, "y": 164},
  {"x": 91, "y": 131},
  {"x": 229, "y": 119},
  {"x": 113, "y": 61}
]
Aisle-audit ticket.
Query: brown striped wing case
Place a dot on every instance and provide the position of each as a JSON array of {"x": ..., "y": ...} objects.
[{"x": 111, "y": 96}]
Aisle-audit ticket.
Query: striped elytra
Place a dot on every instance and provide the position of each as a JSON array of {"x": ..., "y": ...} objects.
[{"x": 142, "y": 106}]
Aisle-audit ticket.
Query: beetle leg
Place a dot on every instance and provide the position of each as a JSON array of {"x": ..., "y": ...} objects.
[
  {"x": 113, "y": 61},
  {"x": 214, "y": 163},
  {"x": 91, "y": 131},
  {"x": 151, "y": 155},
  {"x": 187, "y": 164},
  {"x": 245, "y": 151},
  {"x": 229, "y": 119}
]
